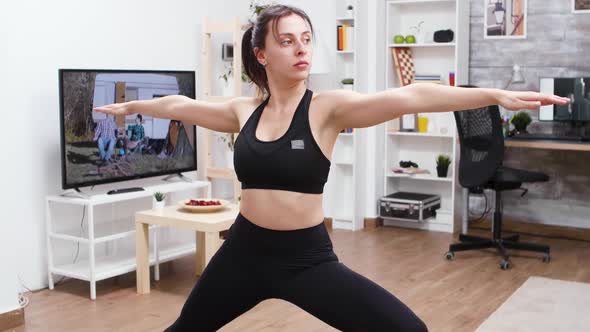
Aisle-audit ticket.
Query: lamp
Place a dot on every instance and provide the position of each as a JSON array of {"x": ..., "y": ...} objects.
[
  {"x": 499, "y": 11},
  {"x": 517, "y": 76}
]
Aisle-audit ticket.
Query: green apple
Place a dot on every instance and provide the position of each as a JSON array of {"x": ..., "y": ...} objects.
[
  {"x": 398, "y": 39},
  {"x": 410, "y": 39}
]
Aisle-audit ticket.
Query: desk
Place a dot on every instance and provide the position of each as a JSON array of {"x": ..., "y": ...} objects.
[
  {"x": 547, "y": 144},
  {"x": 207, "y": 226},
  {"x": 530, "y": 144}
]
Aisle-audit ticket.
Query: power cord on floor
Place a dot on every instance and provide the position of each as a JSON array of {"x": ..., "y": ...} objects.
[
  {"x": 485, "y": 212},
  {"x": 23, "y": 300}
]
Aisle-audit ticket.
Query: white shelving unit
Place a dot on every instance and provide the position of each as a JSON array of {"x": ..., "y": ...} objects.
[
  {"x": 115, "y": 262},
  {"x": 341, "y": 203},
  {"x": 429, "y": 58}
]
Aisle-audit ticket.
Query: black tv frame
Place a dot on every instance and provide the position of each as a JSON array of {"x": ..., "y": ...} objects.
[{"x": 65, "y": 185}]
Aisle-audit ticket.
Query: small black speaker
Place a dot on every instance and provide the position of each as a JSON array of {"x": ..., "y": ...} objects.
[
  {"x": 227, "y": 51},
  {"x": 444, "y": 36}
]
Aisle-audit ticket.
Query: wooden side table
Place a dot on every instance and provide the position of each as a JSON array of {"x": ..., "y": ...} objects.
[{"x": 206, "y": 225}]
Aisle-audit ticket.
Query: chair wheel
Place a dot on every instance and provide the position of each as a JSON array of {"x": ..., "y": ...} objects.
[
  {"x": 450, "y": 255},
  {"x": 505, "y": 265},
  {"x": 546, "y": 258}
]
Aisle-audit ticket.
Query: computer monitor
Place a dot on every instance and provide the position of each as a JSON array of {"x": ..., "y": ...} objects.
[{"x": 575, "y": 88}]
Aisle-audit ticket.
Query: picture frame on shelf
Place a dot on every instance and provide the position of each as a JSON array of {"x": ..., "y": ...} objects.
[
  {"x": 227, "y": 51},
  {"x": 408, "y": 122},
  {"x": 580, "y": 6},
  {"x": 505, "y": 19}
]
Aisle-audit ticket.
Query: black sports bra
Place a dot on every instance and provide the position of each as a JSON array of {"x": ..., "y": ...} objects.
[{"x": 293, "y": 162}]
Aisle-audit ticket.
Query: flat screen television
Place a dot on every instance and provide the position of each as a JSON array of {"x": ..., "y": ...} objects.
[{"x": 97, "y": 148}]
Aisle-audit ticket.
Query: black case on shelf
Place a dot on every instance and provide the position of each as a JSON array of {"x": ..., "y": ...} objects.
[
  {"x": 443, "y": 36},
  {"x": 409, "y": 206}
]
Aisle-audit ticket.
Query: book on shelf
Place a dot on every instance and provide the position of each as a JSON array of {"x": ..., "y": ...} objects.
[
  {"x": 344, "y": 37},
  {"x": 347, "y": 131},
  {"x": 409, "y": 170},
  {"x": 427, "y": 79}
]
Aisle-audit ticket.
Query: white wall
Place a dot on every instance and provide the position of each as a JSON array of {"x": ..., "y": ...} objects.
[
  {"x": 8, "y": 277},
  {"x": 10, "y": 215},
  {"x": 37, "y": 38}
]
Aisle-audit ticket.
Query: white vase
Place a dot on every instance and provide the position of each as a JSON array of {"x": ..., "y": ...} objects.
[
  {"x": 229, "y": 157},
  {"x": 348, "y": 13},
  {"x": 158, "y": 205},
  {"x": 348, "y": 86}
]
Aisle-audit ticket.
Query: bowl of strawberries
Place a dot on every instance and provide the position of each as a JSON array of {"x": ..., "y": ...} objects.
[{"x": 203, "y": 204}]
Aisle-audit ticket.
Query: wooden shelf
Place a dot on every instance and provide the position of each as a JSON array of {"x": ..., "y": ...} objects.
[
  {"x": 344, "y": 52},
  {"x": 221, "y": 173},
  {"x": 548, "y": 145},
  {"x": 350, "y": 19}
]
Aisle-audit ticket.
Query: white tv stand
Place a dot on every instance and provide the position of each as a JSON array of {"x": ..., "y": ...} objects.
[{"x": 94, "y": 269}]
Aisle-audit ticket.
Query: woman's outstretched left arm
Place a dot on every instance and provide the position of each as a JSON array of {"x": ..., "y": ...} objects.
[{"x": 351, "y": 109}]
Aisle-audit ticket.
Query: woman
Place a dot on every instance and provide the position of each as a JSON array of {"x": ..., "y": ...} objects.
[{"x": 278, "y": 246}]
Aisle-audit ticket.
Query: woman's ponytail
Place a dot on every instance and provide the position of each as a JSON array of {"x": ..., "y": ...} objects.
[{"x": 252, "y": 67}]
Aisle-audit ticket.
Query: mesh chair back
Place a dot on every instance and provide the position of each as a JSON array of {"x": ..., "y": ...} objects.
[{"x": 482, "y": 145}]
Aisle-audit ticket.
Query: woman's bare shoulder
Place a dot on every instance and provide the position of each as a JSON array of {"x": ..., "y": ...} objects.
[
  {"x": 327, "y": 100},
  {"x": 244, "y": 106},
  {"x": 333, "y": 94}
]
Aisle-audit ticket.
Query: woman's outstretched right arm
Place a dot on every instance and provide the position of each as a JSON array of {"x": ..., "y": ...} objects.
[{"x": 217, "y": 116}]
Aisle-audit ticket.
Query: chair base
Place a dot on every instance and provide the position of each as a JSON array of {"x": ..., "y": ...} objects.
[{"x": 469, "y": 242}]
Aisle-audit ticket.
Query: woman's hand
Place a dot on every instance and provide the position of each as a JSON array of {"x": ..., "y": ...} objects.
[
  {"x": 516, "y": 100},
  {"x": 115, "y": 109}
]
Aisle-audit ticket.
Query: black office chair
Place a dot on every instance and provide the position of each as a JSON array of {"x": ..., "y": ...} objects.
[{"x": 480, "y": 167}]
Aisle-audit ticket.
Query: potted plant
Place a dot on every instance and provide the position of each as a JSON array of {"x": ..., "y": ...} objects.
[
  {"x": 442, "y": 165},
  {"x": 228, "y": 87},
  {"x": 347, "y": 83},
  {"x": 159, "y": 202},
  {"x": 520, "y": 121},
  {"x": 256, "y": 6}
]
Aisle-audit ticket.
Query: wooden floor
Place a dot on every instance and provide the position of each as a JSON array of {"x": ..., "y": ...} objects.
[{"x": 448, "y": 295}]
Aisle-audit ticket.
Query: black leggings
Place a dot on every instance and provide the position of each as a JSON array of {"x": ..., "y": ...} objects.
[{"x": 299, "y": 266}]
